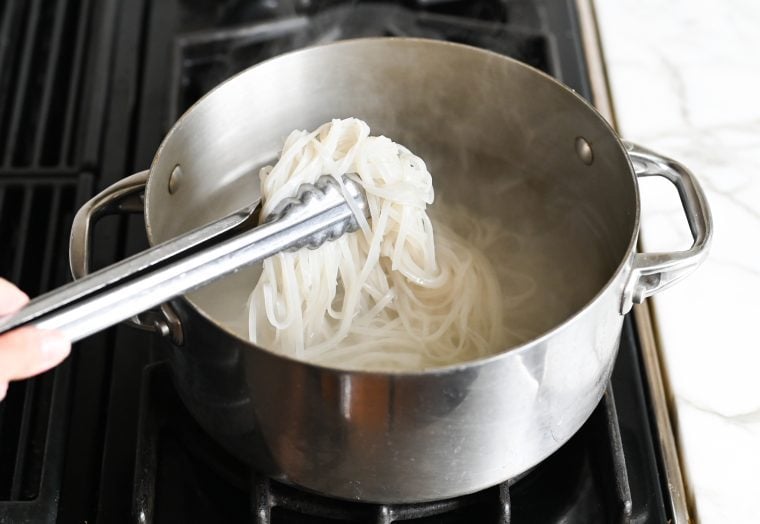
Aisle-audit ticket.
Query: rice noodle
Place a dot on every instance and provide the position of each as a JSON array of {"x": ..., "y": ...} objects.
[{"x": 391, "y": 296}]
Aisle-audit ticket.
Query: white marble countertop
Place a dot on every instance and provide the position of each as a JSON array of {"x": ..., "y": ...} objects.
[{"x": 685, "y": 79}]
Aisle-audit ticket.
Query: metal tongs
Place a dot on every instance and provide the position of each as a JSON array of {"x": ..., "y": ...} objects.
[{"x": 318, "y": 213}]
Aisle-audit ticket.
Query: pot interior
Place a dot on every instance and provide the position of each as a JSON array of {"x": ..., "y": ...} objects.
[{"x": 499, "y": 138}]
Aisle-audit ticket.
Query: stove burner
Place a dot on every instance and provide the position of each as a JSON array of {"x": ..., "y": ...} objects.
[{"x": 273, "y": 502}]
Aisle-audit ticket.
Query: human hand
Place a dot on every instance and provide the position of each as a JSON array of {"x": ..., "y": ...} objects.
[{"x": 26, "y": 351}]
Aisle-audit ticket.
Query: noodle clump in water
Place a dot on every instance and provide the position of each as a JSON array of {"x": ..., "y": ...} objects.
[{"x": 398, "y": 294}]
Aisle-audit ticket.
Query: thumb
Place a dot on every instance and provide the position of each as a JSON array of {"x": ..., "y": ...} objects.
[
  {"x": 25, "y": 352},
  {"x": 11, "y": 297}
]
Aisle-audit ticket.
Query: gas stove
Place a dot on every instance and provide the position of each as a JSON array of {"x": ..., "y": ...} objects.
[{"x": 87, "y": 91}]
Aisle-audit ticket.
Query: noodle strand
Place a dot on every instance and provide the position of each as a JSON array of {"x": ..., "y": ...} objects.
[{"x": 394, "y": 295}]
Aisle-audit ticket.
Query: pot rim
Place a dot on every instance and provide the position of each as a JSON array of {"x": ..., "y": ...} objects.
[{"x": 511, "y": 352}]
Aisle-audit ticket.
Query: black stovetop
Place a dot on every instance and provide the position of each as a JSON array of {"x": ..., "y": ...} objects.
[{"x": 87, "y": 91}]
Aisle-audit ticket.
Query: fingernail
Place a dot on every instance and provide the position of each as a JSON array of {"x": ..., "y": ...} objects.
[{"x": 55, "y": 347}]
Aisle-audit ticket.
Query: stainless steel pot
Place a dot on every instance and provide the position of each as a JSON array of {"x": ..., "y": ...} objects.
[{"x": 501, "y": 138}]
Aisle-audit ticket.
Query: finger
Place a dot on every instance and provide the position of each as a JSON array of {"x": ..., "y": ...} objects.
[
  {"x": 25, "y": 352},
  {"x": 11, "y": 297},
  {"x": 3, "y": 390}
]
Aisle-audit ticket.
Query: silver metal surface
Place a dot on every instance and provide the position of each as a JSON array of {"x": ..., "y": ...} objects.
[
  {"x": 500, "y": 141},
  {"x": 584, "y": 151},
  {"x": 674, "y": 478},
  {"x": 125, "y": 196},
  {"x": 174, "y": 179},
  {"x": 653, "y": 272},
  {"x": 319, "y": 213}
]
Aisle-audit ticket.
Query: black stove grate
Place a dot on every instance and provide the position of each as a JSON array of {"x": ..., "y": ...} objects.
[
  {"x": 87, "y": 91},
  {"x": 204, "y": 58},
  {"x": 44, "y": 53},
  {"x": 42, "y": 59},
  {"x": 35, "y": 216}
]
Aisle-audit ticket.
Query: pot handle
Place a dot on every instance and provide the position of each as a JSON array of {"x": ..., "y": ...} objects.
[
  {"x": 653, "y": 272},
  {"x": 122, "y": 197}
]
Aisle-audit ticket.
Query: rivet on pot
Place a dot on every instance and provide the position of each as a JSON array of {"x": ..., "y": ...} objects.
[
  {"x": 174, "y": 179},
  {"x": 584, "y": 151}
]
